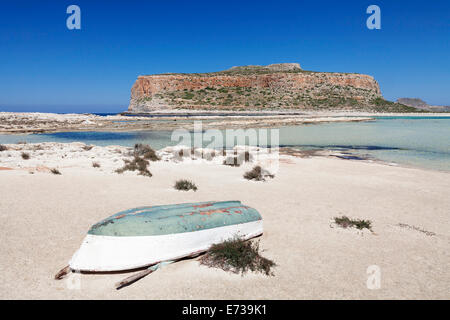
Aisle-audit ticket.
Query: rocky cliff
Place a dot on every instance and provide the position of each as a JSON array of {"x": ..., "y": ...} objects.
[{"x": 272, "y": 87}]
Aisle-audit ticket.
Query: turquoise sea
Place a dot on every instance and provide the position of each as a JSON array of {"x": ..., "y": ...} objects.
[{"x": 415, "y": 141}]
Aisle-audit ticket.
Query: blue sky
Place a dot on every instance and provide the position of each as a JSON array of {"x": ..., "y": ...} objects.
[{"x": 46, "y": 67}]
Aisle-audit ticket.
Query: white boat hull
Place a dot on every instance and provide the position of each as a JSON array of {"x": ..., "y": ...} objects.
[{"x": 100, "y": 253}]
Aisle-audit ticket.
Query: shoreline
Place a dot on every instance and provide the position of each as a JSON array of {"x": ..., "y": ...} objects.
[
  {"x": 35, "y": 123},
  {"x": 47, "y": 155}
]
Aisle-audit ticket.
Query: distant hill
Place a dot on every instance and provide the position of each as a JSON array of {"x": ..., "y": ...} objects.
[
  {"x": 282, "y": 86},
  {"x": 413, "y": 102},
  {"x": 422, "y": 105}
]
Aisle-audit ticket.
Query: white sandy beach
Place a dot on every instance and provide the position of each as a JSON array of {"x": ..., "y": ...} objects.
[{"x": 44, "y": 218}]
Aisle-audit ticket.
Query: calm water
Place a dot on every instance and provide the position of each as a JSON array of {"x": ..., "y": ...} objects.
[{"x": 423, "y": 142}]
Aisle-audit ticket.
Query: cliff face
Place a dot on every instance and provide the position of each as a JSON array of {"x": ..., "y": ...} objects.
[{"x": 280, "y": 86}]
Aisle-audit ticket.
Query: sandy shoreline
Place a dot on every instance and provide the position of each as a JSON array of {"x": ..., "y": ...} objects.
[
  {"x": 44, "y": 218},
  {"x": 20, "y": 123},
  {"x": 29, "y": 123}
]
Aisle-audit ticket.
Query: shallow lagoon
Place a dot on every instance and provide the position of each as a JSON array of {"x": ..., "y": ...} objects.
[{"x": 416, "y": 141}]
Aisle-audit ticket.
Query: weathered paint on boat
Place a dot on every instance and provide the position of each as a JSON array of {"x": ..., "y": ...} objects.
[
  {"x": 147, "y": 235},
  {"x": 178, "y": 218}
]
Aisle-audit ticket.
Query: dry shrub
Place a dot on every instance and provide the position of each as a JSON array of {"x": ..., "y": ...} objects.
[
  {"x": 237, "y": 256},
  {"x": 257, "y": 174},
  {"x": 55, "y": 171},
  {"x": 136, "y": 164},
  {"x": 346, "y": 222},
  {"x": 145, "y": 151},
  {"x": 185, "y": 185}
]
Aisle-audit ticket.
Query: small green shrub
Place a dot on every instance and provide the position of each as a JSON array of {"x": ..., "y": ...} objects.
[
  {"x": 3, "y": 148},
  {"x": 96, "y": 164},
  {"x": 87, "y": 148},
  {"x": 188, "y": 96},
  {"x": 346, "y": 222},
  {"x": 237, "y": 256},
  {"x": 25, "y": 156},
  {"x": 185, "y": 185}
]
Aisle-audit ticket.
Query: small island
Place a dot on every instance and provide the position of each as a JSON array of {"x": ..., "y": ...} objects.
[{"x": 276, "y": 87}]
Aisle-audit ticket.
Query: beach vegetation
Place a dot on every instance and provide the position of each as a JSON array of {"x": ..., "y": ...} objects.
[
  {"x": 25, "y": 156},
  {"x": 3, "y": 147},
  {"x": 185, "y": 185},
  {"x": 55, "y": 171},
  {"x": 136, "y": 164},
  {"x": 145, "y": 151},
  {"x": 238, "y": 256},
  {"x": 95, "y": 164},
  {"x": 87, "y": 148},
  {"x": 257, "y": 174},
  {"x": 346, "y": 222}
]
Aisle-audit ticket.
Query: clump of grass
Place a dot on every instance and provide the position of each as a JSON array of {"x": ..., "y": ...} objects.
[
  {"x": 55, "y": 171},
  {"x": 25, "y": 156},
  {"x": 87, "y": 148},
  {"x": 237, "y": 256},
  {"x": 136, "y": 164},
  {"x": 96, "y": 164},
  {"x": 145, "y": 151},
  {"x": 185, "y": 185},
  {"x": 3, "y": 148},
  {"x": 346, "y": 222},
  {"x": 257, "y": 174}
]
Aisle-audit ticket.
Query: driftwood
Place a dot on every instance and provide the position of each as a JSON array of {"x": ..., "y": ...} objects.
[
  {"x": 131, "y": 279},
  {"x": 62, "y": 273}
]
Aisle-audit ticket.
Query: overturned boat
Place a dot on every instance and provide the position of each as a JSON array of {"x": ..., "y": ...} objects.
[{"x": 146, "y": 236}]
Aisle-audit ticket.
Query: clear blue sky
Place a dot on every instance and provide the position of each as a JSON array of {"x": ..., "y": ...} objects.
[{"x": 46, "y": 67}]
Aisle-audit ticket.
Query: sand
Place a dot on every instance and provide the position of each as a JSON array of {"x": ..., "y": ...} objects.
[{"x": 44, "y": 218}]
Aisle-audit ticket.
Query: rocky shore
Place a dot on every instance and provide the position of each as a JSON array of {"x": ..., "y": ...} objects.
[{"x": 16, "y": 122}]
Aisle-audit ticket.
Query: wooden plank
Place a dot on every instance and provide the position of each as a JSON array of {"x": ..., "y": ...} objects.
[
  {"x": 131, "y": 279},
  {"x": 62, "y": 273}
]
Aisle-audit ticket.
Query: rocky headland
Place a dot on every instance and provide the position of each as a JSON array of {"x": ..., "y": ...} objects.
[{"x": 284, "y": 86}]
